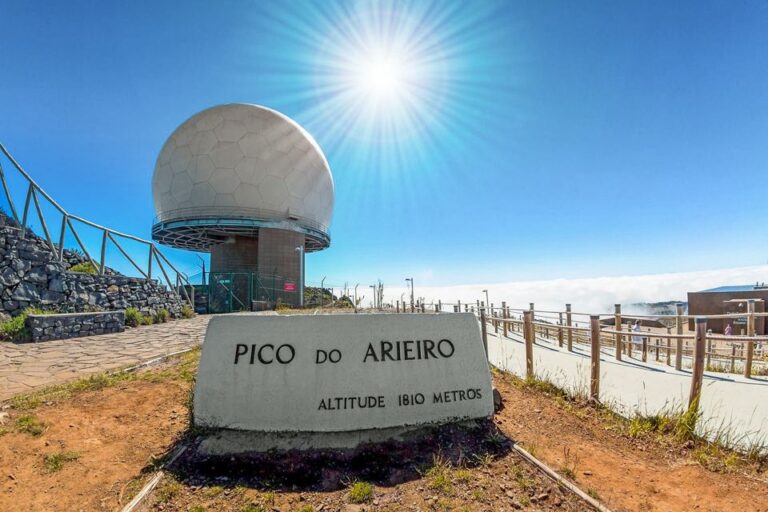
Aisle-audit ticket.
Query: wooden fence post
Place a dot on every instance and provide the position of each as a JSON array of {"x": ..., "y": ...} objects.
[
  {"x": 504, "y": 316},
  {"x": 750, "y": 343},
  {"x": 697, "y": 375},
  {"x": 569, "y": 324},
  {"x": 594, "y": 381},
  {"x": 645, "y": 346},
  {"x": 398, "y": 307},
  {"x": 733, "y": 358},
  {"x": 679, "y": 341},
  {"x": 560, "y": 330},
  {"x": 528, "y": 335},
  {"x": 617, "y": 326},
  {"x": 669, "y": 346},
  {"x": 484, "y": 331},
  {"x": 439, "y": 305}
]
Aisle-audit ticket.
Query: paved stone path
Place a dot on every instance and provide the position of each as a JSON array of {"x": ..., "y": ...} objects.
[
  {"x": 729, "y": 403},
  {"x": 24, "y": 367}
]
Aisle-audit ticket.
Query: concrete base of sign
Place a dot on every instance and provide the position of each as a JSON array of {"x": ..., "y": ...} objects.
[{"x": 229, "y": 442}]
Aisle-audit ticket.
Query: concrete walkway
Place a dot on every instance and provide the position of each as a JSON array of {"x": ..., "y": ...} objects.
[
  {"x": 27, "y": 366},
  {"x": 730, "y": 405}
]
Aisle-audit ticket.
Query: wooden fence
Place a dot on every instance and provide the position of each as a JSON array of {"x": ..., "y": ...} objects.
[{"x": 671, "y": 345}]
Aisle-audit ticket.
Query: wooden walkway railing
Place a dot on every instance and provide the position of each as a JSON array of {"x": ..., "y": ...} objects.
[{"x": 663, "y": 346}]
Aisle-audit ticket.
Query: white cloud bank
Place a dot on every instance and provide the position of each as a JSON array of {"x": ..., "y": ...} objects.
[{"x": 593, "y": 295}]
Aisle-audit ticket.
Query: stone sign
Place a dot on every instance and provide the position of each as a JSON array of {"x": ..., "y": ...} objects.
[{"x": 341, "y": 373}]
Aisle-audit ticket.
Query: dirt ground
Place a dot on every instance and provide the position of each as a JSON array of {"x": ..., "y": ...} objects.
[
  {"x": 114, "y": 433},
  {"x": 628, "y": 474},
  {"x": 93, "y": 451}
]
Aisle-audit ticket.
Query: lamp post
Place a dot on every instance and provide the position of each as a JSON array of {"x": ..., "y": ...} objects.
[
  {"x": 322, "y": 292},
  {"x": 202, "y": 262},
  {"x": 373, "y": 288},
  {"x": 300, "y": 250},
  {"x": 358, "y": 284},
  {"x": 410, "y": 279}
]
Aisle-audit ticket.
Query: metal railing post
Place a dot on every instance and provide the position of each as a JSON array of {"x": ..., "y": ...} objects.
[
  {"x": 8, "y": 194},
  {"x": 62, "y": 236},
  {"x": 26, "y": 212},
  {"x": 569, "y": 323},
  {"x": 103, "y": 259}
]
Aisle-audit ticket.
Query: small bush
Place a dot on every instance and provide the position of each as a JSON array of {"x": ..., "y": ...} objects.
[
  {"x": 187, "y": 311},
  {"x": 147, "y": 320},
  {"x": 361, "y": 492},
  {"x": 86, "y": 268},
  {"x": 28, "y": 424},
  {"x": 16, "y": 329},
  {"x": 253, "y": 508},
  {"x": 133, "y": 317},
  {"x": 55, "y": 461},
  {"x": 162, "y": 316}
]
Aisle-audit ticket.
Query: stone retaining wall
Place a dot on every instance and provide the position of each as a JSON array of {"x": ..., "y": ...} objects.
[
  {"x": 74, "y": 325},
  {"x": 31, "y": 275}
]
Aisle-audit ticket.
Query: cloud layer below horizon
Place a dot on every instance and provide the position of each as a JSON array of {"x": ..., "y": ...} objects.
[{"x": 593, "y": 295}]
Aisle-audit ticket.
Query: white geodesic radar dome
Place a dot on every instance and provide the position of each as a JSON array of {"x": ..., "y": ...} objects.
[{"x": 234, "y": 168}]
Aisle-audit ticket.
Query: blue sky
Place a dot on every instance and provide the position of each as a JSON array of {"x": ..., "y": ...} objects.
[{"x": 546, "y": 139}]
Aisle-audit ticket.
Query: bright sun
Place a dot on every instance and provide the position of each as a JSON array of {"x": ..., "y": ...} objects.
[{"x": 381, "y": 77}]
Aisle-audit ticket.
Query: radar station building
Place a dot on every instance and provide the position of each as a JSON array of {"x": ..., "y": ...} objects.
[{"x": 251, "y": 187}]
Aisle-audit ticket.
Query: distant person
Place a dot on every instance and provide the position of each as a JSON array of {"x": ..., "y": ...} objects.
[
  {"x": 728, "y": 330},
  {"x": 636, "y": 328}
]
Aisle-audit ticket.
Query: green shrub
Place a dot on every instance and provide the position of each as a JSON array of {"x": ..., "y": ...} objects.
[
  {"x": 29, "y": 425},
  {"x": 86, "y": 267},
  {"x": 133, "y": 317},
  {"x": 282, "y": 307},
  {"x": 147, "y": 320},
  {"x": 162, "y": 316},
  {"x": 16, "y": 329},
  {"x": 187, "y": 311},
  {"x": 55, "y": 461},
  {"x": 361, "y": 492}
]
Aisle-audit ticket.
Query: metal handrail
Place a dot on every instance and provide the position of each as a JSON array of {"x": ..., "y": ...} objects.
[{"x": 108, "y": 234}]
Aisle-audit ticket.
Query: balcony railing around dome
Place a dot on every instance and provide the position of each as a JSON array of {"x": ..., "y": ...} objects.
[
  {"x": 33, "y": 196},
  {"x": 237, "y": 212}
]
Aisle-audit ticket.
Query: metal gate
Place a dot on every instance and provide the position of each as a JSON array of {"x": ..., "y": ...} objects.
[{"x": 229, "y": 292}]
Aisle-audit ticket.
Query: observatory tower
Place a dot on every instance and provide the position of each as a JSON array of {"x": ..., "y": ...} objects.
[{"x": 253, "y": 188}]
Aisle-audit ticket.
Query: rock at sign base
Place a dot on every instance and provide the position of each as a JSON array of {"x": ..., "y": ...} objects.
[{"x": 349, "y": 378}]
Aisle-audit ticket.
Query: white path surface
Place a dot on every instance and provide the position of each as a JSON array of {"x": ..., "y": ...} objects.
[{"x": 728, "y": 402}]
